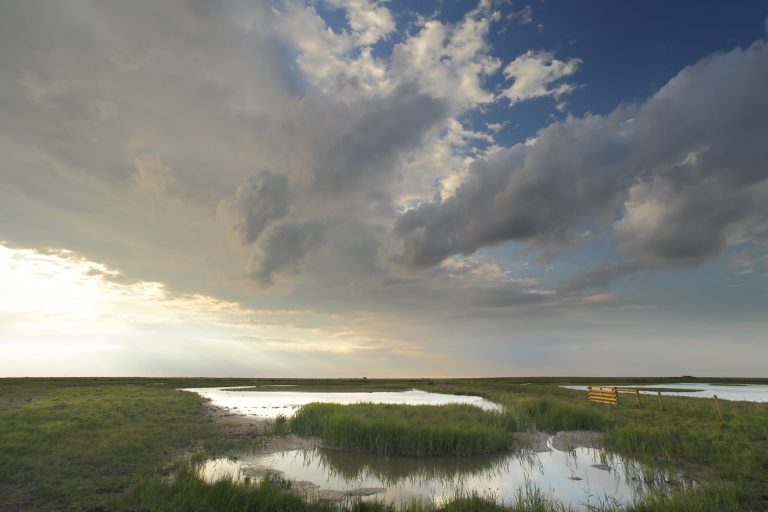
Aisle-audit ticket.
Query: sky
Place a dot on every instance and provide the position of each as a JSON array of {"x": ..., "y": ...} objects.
[{"x": 349, "y": 188}]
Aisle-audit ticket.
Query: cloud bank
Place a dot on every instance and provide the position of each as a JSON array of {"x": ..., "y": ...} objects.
[{"x": 674, "y": 180}]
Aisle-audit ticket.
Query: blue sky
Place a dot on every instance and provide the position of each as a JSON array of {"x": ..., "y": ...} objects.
[{"x": 345, "y": 188}]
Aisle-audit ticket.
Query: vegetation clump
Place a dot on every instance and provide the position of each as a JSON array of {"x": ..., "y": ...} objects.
[{"x": 409, "y": 430}]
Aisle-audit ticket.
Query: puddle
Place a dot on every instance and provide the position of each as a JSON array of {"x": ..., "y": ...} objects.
[
  {"x": 270, "y": 404},
  {"x": 737, "y": 392},
  {"x": 579, "y": 478}
]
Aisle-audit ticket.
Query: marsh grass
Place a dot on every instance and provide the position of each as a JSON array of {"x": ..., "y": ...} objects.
[
  {"x": 408, "y": 430},
  {"x": 186, "y": 491},
  {"x": 71, "y": 447},
  {"x": 553, "y": 415},
  {"x": 71, "y": 444}
]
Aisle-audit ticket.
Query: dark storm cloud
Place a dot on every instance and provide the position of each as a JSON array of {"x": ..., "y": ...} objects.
[
  {"x": 686, "y": 171},
  {"x": 355, "y": 149},
  {"x": 375, "y": 132},
  {"x": 260, "y": 201},
  {"x": 283, "y": 249}
]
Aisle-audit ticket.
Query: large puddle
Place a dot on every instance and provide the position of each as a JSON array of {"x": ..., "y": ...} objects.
[
  {"x": 270, "y": 404},
  {"x": 737, "y": 392},
  {"x": 579, "y": 478}
]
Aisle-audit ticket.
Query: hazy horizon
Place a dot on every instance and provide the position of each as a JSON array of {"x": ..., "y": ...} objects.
[{"x": 381, "y": 189}]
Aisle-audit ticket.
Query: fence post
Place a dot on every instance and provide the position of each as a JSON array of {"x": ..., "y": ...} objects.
[
  {"x": 637, "y": 394},
  {"x": 717, "y": 406},
  {"x": 660, "y": 403}
]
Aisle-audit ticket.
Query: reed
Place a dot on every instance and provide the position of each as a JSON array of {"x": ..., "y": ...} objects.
[
  {"x": 386, "y": 429},
  {"x": 553, "y": 415},
  {"x": 186, "y": 491}
]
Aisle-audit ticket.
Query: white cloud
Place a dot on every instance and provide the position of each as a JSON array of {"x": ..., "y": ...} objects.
[
  {"x": 370, "y": 21},
  {"x": 451, "y": 60},
  {"x": 339, "y": 63},
  {"x": 538, "y": 74},
  {"x": 524, "y": 16}
]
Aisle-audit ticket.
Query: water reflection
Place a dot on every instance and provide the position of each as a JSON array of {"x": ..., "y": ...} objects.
[
  {"x": 270, "y": 404},
  {"x": 391, "y": 471},
  {"x": 579, "y": 478}
]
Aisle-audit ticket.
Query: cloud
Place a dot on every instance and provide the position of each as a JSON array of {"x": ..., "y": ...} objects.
[
  {"x": 282, "y": 250},
  {"x": 451, "y": 61},
  {"x": 600, "y": 276},
  {"x": 524, "y": 16},
  {"x": 370, "y": 21},
  {"x": 152, "y": 173},
  {"x": 538, "y": 74},
  {"x": 684, "y": 172},
  {"x": 261, "y": 200},
  {"x": 374, "y": 133}
]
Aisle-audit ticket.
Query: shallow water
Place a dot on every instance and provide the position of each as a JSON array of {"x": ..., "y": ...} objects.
[
  {"x": 579, "y": 478},
  {"x": 270, "y": 404},
  {"x": 737, "y": 392}
]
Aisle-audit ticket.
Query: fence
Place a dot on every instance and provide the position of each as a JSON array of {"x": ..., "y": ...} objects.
[
  {"x": 603, "y": 395},
  {"x": 610, "y": 395}
]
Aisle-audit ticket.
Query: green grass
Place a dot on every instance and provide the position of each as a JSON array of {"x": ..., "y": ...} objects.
[
  {"x": 71, "y": 444},
  {"x": 409, "y": 430},
  {"x": 71, "y": 447},
  {"x": 728, "y": 457}
]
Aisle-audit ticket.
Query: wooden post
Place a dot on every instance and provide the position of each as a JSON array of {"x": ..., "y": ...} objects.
[
  {"x": 717, "y": 406},
  {"x": 660, "y": 403},
  {"x": 637, "y": 394}
]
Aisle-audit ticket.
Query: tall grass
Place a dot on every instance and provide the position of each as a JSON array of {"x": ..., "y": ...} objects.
[
  {"x": 553, "y": 415},
  {"x": 712, "y": 498},
  {"x": 410, "y": 430}
]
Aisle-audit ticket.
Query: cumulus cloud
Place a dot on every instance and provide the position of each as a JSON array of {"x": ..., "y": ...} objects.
[
  {"x": 370, "y": 21},
  {"x": 538, "y": 74},
  {"x": 451, "y": 61},
  {"x": 365, "y": 148},
  {"x": 685, "y": 172}
]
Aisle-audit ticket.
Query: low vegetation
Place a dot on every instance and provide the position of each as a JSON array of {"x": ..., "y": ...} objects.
[
  {"x": 410, "y": 430},
  {"x": 73, "y": 445},
  {"x": 106, "y": 444}
]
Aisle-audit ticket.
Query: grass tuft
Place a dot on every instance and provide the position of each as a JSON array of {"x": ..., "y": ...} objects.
[{"x": 387, "y": 429}]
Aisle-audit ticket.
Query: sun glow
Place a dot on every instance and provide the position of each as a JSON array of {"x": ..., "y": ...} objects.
[{"x": 61, "y": 312}]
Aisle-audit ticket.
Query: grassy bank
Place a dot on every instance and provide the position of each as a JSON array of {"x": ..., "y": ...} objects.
[
  {"x": 410, "y": 430},
  {"x": 76, "y": 446}
]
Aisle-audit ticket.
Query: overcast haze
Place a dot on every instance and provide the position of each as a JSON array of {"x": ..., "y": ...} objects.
[{"x": 359, "y": 188}]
